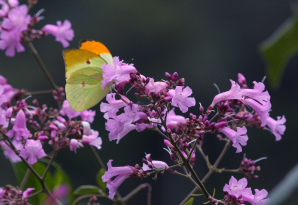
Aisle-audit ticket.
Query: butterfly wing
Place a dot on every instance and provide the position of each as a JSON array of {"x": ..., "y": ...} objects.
[
  {"x": 98, "y": 49},
  {"x": 83, "y": 79}
]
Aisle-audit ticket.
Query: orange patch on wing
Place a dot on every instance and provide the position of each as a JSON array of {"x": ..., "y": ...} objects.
[
  {"x": 94, "y": 47},
  {"x": 83, "y": 84}
]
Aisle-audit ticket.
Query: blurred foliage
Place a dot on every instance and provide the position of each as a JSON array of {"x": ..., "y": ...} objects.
[
  {"x": 279, "y": 48},
  {"x": 53, "y": 180}
]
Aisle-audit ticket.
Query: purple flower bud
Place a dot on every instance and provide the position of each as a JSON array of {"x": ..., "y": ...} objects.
[
  {"x": 221, "y": 124},
  {"x": 241, "y": 79},
  {"x": 168, "y": 75},
  {"x": 175, "y": 76}
]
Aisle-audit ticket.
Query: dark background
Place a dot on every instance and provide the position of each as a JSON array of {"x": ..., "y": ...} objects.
[{"x": 206, "y": 42}]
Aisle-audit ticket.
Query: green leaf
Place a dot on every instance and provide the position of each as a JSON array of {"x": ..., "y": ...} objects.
[
  {"x": 87, "y": 189},
  {"x": 189, "y": 202},
  {"x": 279, "y": 48},
  {"x": 101, "y": 183}
]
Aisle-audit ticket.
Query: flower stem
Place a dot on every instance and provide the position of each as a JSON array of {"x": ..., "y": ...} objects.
[
  {"x": 137, "y": 190},
  {"x": 49, "y": 165},
  {"x": 211, "y": 170},
  {"x": 42, "y": 65},
  {"x": 97, "y": 158},
  {"x": 220, "y": 157},
  {"x": 43, "y": 92},
  {"x": 25, "y": 179}
]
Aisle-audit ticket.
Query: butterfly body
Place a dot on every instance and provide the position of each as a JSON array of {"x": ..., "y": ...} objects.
[{"x": 84, "y": 74}]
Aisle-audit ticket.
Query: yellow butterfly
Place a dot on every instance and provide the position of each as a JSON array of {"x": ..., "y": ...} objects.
[{"x": 84, "y": 74}]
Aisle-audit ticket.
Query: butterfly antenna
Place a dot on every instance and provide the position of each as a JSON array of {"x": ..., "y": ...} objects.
[{"x": 264, "y": 78}]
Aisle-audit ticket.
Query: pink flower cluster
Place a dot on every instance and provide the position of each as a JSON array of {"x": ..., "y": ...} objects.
[
  {"x": 12, "y": 195},
  {"x": 115, "y": 176},
  {"x": 27, "y": 128},
  {"x": 237, "y": 109},
  {"x": 236, "y": 192},
  {"x": 16, "y": 27},
  {"x": 137, "y": 117}
]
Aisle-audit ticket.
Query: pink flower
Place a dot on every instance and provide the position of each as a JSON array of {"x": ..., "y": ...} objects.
[
  {"x": 122, "y": 124},
  {"x": 4, "y": 9},
  {"x": 27, "y": 192},
  {"x": 13, "y": 3},
  {"x": 233, "y": 93},
  {"x": 154, "y": 164},
  {"x": 74, "y": 144},
  {"x": 9, "y": 153},
  {"x": 257, "y": 93},
  {"x": 236, "y": 93},
  {"x": 111, "y": 108},
  {"x": 146, "y": 122},
  {"x": 121, "y": 173},
  {"x": 238, "y": 138},
  {"x": 261, "y": 109},
  {"x": 62, "y": 32},
  {"x": 88, "y": 115},
  {"x": 155, "y": 87},
  {"x": 118, "y": 128},
  {"x": 68, "y": 111},
  {"x": 119, "y": 72},
  {"x": 277, "y": 127},
  {"x": 259, "y": 197},
  {"x": 3, "y": 118},
  {"x": 19, "y": 129},
  {"x": 238, "y": 188},
  {"x": 180, "y": 98},
  {"x": 12, "y": 28},
  {"x": 174, "y": 120},
  {"x": 33, "y": 150},
  {"x": 18, "y": 19},
  {"x": 92, "y": 139},
  {"x": 8, "y": 90},
  {"x": 12, "y": 42}
]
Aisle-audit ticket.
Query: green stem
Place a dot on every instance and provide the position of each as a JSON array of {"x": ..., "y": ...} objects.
[
  {"x": 25, "y": 179},
  {"x": 43, "y": 92},
  {"x": 97, "y": 158},
  {"x": 220, "y": 157},
  {"x": 190, "y": 169},
  {"x": 85, "y": 196},
  {"x": 42, "y": 65},
  {"x": 211, "y": 170},
  {"x": 49, "y": 165},
  {"x": 137, "y": 190}
]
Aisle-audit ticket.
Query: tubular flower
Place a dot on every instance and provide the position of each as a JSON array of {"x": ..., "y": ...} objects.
[{"x": 121, "y": 173}]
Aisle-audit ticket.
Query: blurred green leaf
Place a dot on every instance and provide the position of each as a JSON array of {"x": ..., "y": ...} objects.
[
  {"x": 101, "y": 183},
  {"x": 20, "y": 170},
  {"x": 60, "y": 177},
  {"x": 52, "y": 181},
  {"x": 87, "y": 189},
  {"x": 189, "y": 202},
  {"x": 279, "y": 48}
]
